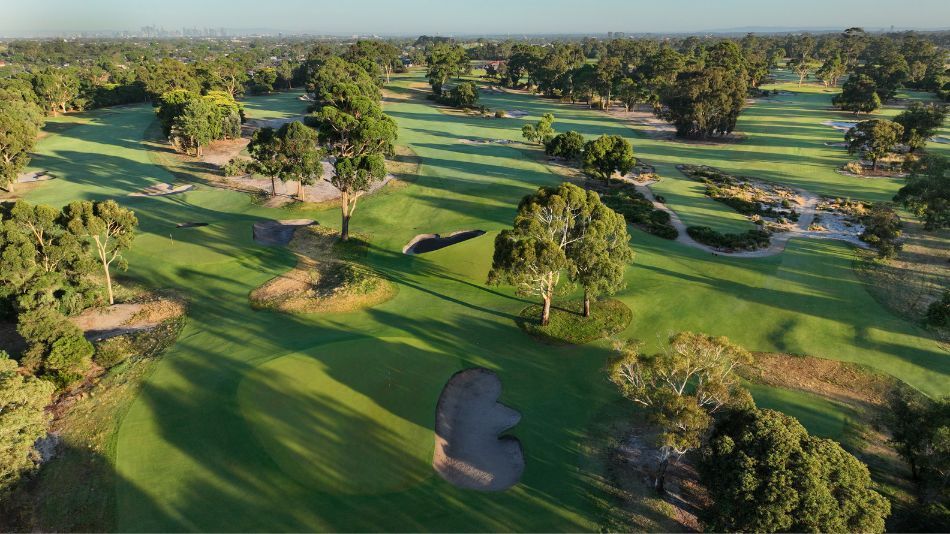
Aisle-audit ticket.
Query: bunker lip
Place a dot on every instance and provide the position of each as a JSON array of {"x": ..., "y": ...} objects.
[
  {"x": 469, "y": 453},
  {"x": 423, "y": 243},
  {"x": 276, "y": 233}
]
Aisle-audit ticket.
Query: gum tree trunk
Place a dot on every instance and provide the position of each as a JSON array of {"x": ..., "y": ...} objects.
[{"x": 586, "y": 303}]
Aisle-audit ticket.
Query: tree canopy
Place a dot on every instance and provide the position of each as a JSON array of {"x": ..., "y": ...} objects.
[
  {"x": 607, "y": 155},
  {"x": 704, "y": 103}
]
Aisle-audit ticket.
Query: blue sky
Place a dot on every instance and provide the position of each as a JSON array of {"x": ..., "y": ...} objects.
[{"x": 470, "y": 16}]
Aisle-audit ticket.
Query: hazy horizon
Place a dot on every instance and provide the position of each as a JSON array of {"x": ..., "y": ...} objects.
[{"x": 413, "y": 17}]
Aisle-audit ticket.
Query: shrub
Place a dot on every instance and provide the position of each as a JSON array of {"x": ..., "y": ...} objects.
[
  {"x": 500, "y": 114},
  {"x": 882, "y": 230},
  {"x": 68, "y": 358},
  {"x": 57, "y": 348},
  {"x": 636, "y": 209},
  {"x": 113, "y": 351},
  {"x": 568, "y": 145},
  {"x": 238, "y": 167},
  {"x": 938, "y": 313},
  {"x": 854, "y": 167},
  {"x": 750, "y": 240}
]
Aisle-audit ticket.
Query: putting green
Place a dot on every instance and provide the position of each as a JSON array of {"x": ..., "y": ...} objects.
[{"x": 348, "y": 436}]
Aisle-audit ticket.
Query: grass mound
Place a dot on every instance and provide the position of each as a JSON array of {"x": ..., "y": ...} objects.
[
  {"x": 569, "y": 326},
  {"x": 328, "y": 277}
]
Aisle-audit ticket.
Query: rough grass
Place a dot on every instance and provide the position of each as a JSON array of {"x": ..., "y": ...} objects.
[
  {"x": 328, "y": 277},
  {"x": 568, "y": 324}
]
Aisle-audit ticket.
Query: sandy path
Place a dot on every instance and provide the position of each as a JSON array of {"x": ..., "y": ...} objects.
[
  {"x": 808, "y": 208},
  {"x": 468, "y": 450}
]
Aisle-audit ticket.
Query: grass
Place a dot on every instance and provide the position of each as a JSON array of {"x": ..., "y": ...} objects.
[
  {"x": 196, "y": 452},
  {"x": 568, "y": 324}
]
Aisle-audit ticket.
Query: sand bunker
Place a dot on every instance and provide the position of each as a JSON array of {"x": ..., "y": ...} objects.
[
  {"x": 423, "y": 243},
  {"x": 486, "y": 141},
  {"x": 942, "y": 140},
  {"x": 36, "y": 176},
  {"x": 126, "y": 318},
  {"x": 160, "y": 190},
  {"x": 278, "y": 233},
  {"x": 190, "y": 224},
  {"x": 516, "y": 113},
  {"x": 839, "y": 125},
  {"x": 468, "y": 450}
]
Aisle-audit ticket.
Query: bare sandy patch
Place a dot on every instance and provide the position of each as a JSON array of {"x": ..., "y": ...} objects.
[
  {"x": 468, "y": 450},
  {"x": 119, "y": 319}
]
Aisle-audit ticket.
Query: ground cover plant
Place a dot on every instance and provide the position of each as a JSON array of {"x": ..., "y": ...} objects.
[{"x": 200, "y": 449}]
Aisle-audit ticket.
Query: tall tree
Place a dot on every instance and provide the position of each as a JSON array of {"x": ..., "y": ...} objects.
[
  {"x": 927, "y": 192},
  {"x": 359, "y": 136},
  {"x": 265, "y": 149},
  {"x": 19, "y": 126},
  {"x": 680, "y": 387},
  {"x": 598, "y": 261},
  {"x": 56, "y": 88},
  {"x": 859, "y": 94},
  {"x": 921, "y": 122},
  {"x": 607, "y": 155},
  {"x": 539, "y": 133},
  {"x": 197, "y": 125},
  {"x": 299, "y": 155},
  {"x": 831, "y": 71},
  {"x": 445, "y": 61},
  {"x": 874, "y": 138},
  {"x": 23, "y": 420},
  {"x": 704, "y": 103},
  {"x": 766, "y": 474},
  {"x": 533, "y": 253},
  {"x": 108, "y": 229},
  {"x": 802, "y": 66}
]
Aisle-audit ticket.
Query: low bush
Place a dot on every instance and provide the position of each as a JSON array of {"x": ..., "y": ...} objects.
[
  {"x": 238, "y": 167},
  {"x": 938, "y": 313},
  {"x": 750, "y": 240},
  {"x": 113, "y": 351},
  {"x": 636, "y": 209}
]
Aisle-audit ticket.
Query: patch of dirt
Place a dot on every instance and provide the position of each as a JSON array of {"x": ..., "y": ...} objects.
[
  {"x": 468, "y": 450},
  {"x": 278, "y": 233},
  {"x": 162, "y": 189},
  {"x": 223, "y": 151},
  {"x": 119, "y": 319},
  {"x": 325, "y": 279},
  {"x": 423, "y": 243}
]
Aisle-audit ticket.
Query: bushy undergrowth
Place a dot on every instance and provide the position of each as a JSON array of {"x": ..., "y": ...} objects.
[
  {"x": 636, "y": 209},
  {"x": 750, "y": 240}
]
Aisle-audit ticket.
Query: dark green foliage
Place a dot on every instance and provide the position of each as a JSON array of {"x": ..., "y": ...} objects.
[
  {"x": 859, "y": 94},
  {"x": 23, "y": 420},
  {"x": 608, "y": 155},
  {"x": 568, "y": 145},
  {"x": 57, "y": 349},
  {"x": 750, "y": 240},
  {"x": 765, "y": 473},
  {"x": 927, "y": 192},
  {"x": 445, "y": 61},
  {"x": 704, "y": 103},
  {"x": 463, "y": 95},
  {"x": 882, "y": 230},
  {"x": 636, "y": 209},
  {"x": 938, "y": 313},
  {"x": 113, "y": 351},
  {"x": 238, "y": 167},
  {"x": 873, "y": 139},
  {"x": 920, "y": 122}
]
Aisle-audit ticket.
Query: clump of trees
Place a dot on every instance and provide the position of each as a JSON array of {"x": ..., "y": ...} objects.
[
  {"x": 23, "y": 420},
  {"x": 463, "y": 95},
  {"x": 920, "y": 432},
  {"x": 680, "y": 388},
  {"x": 858, "y": 95},
  {"x": 920, "y": 122},
  {"x": 704, "y": 103},
  {"x": 20, "y": 122},
  {"x": 56, "y": 263},
  {"x": 289, "y": 153},
  {"x": 192, "y": 121},
  {"x": 558, "y": 230},
  {"x": 765, "y": 473},
  {"x": 874, "y": 139},
  {"x": 443, "y": 62}
]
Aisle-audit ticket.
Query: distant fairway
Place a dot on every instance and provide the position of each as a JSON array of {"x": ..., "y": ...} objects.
[{"x": 261, "y": 421}]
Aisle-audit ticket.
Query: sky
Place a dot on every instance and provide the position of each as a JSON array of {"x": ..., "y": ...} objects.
[{"x": 447, "y": 17}]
